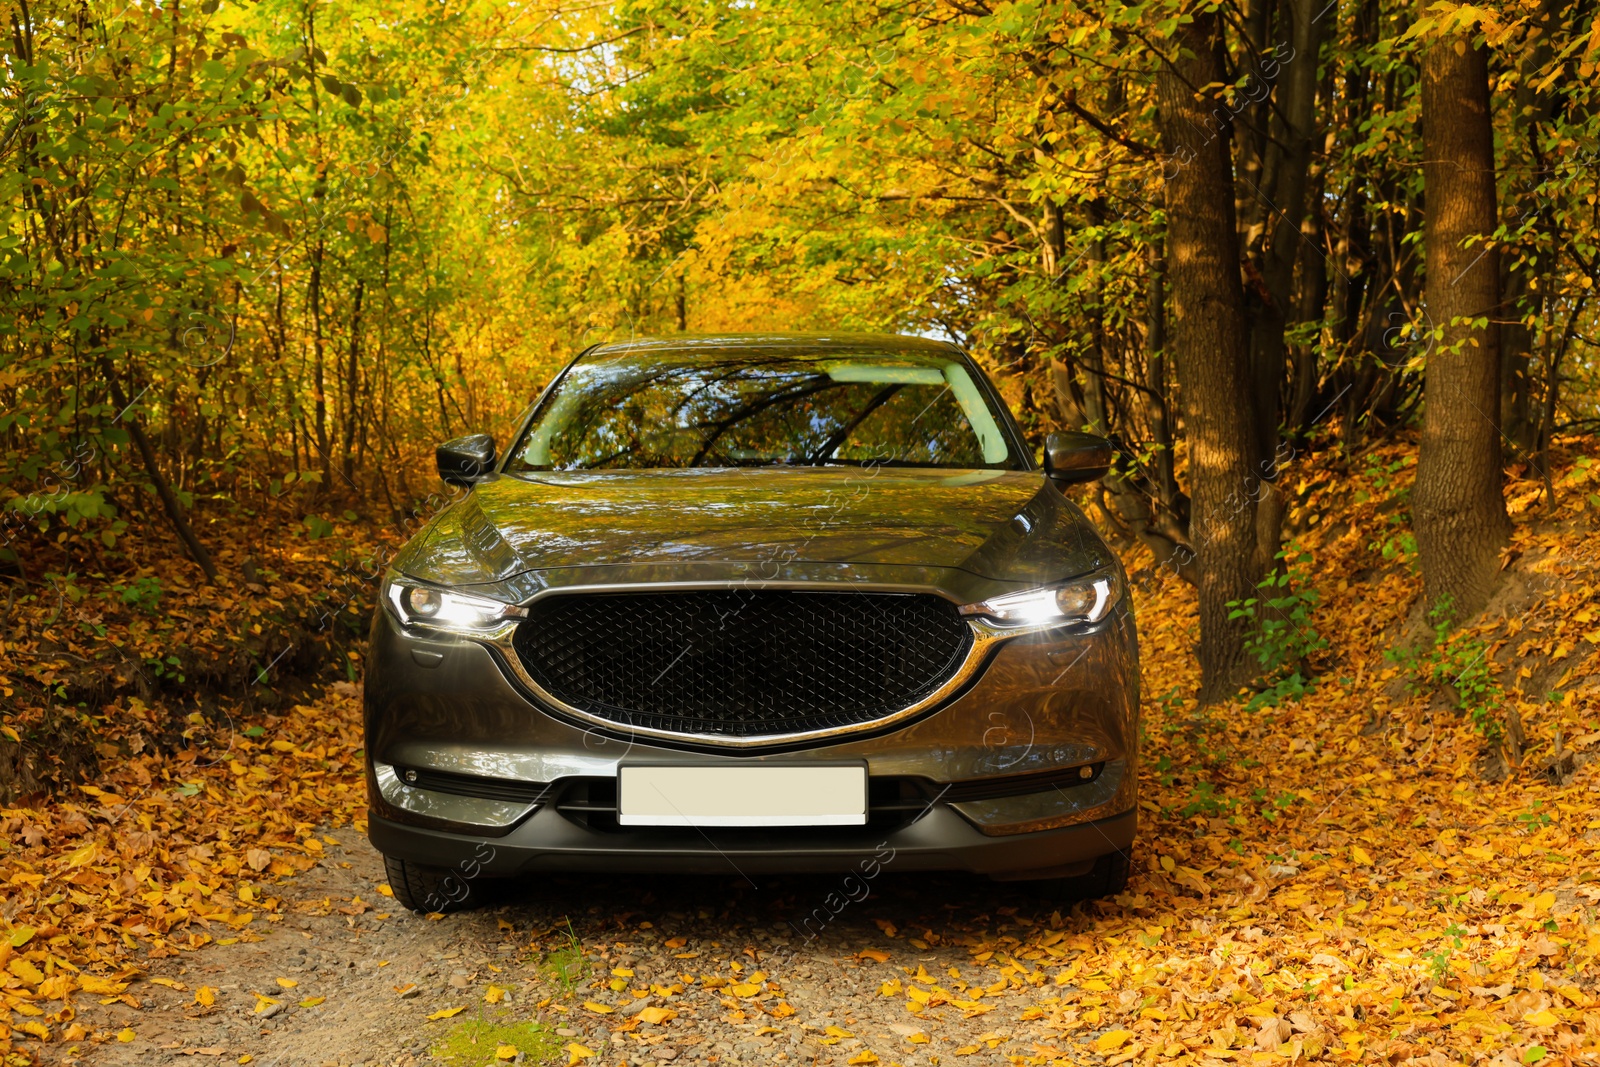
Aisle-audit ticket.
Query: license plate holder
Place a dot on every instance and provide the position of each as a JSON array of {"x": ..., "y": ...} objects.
[{"x": 756, "y": 794}]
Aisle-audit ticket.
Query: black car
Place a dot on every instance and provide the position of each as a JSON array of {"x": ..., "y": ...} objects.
[{"x": 756, "y": 603}]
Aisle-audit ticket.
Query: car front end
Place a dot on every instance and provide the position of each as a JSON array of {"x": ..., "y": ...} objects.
[{"x": 740, "y": 667}]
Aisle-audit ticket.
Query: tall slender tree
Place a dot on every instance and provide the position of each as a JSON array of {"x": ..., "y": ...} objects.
[
  {"x": 1210, "y": 342},
  {"x": 1459, "y": 510}
]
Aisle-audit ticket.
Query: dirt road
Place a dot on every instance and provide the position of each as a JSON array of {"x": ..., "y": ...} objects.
[{"x": 630, "y": 970}]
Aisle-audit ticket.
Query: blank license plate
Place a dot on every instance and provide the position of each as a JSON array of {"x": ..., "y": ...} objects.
[{"x": 755, "y": 795}]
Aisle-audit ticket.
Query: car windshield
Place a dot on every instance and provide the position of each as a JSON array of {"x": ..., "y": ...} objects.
[{"x": 852, "y": 408}]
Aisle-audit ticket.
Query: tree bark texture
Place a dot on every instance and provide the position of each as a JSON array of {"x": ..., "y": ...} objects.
[
  {"x": 1459, "y": 511},
  {"x": 169, "y": 500},
  {"x": 1210, "y": 343}
]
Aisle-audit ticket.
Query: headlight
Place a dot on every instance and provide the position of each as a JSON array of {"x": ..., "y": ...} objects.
[
  {"x": 430, "y": 607},
  {"x": 1084, "y": 600}
]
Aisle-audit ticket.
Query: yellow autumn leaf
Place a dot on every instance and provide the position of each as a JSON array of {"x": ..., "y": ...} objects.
[
  {"x": 263, "y": 1003},
  {"x": 866, "y": 1055},
  {"x": 126, "y": 1035},
  {"x": 205, "y": 996},
  {"x": 505, "y": 1052},
  {"x": 287, "y": 983},
  {"x": 744, "y": 989},
  {"x": 657, "y": 1015},
  {"x": 1113, "y": 1039},
  {"x": 1545, "y": 1017},
  {"x": 876, "y": 954},
  {"x": 598, "y": 1009},
  {"x": 445, "y": 1013},
  {"x": 311, "y": 1002},
  {"x": 93, "y": 983},
  {"x": 495, "y": 995},
  {"x": 25, "y": 970},
  {"x": 576, "y": 1052},
  {"x": 1360, "y": 856}
]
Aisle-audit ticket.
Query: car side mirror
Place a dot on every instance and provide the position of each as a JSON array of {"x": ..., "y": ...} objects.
[
  {"x": 465, "y": 460},
  {"x": 1071, "y": 456}
]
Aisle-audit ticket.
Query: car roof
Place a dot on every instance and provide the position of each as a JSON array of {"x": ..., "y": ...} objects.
[{"x": 725, "y": 344}]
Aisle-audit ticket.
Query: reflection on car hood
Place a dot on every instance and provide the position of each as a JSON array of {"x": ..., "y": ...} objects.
[{"x": 1004, "y": 525}]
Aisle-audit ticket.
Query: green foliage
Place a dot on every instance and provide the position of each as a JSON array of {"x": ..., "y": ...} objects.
[
  {"x": 168, "y": 667},
  {"x": 1272, "y": 809},
  {"x": 1535, "y": 818},
  {"x": 143, "y": 593},
  {"x": 1206, "y": 799},
  {"x": 1458, "y": 662},
  {"x": 567, "y": 965},
  {"x": 317, "y": 526},
  {"x": 1398, "y": 543},
  {"x": 1283, "y": 635},
  {"x": 1439, "y": 961}
]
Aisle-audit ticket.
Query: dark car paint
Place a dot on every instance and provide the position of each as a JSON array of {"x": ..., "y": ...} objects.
[
  {"x": 1045, "y": 699},
  {"x": 1008, "y": 526}
]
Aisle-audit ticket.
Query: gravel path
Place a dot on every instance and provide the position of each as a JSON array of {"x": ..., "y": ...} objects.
[{"x": 634, "y": 970}]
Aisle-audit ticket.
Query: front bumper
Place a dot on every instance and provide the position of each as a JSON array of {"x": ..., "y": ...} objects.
[
  {"x": 939, "y": 841},
  {"x": 1045, "y": 703}
]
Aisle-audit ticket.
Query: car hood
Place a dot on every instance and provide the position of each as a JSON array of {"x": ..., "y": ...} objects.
[{"x": 998, "y": 525}]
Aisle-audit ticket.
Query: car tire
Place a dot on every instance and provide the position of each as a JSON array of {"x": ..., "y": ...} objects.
[
  {"x": 425, "y": 889},
  {"x": 1108, "y": 877}
]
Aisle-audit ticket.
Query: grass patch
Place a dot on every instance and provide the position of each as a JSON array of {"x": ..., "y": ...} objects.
[
  {"x": 473, "y": 1043},
  {"x": 567, "y": 967}
]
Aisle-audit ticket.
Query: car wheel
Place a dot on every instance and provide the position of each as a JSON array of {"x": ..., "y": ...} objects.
[
  {"x": 1108, "y": 877},
  {"x": 428, "y": 889}
]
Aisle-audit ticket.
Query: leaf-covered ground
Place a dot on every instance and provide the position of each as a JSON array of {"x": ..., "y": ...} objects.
[{"x": 1342, "y": 876}]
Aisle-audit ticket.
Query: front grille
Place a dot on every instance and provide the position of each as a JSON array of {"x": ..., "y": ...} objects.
[
  {"x": 738, "y": 663},
  {"x": 893, "y": 803}
]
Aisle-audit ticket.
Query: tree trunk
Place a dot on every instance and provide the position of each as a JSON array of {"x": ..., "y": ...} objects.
[
  {"x": 1210, "y": 343},
  {"x": 1174, "y": 505},
  {"x": 169, "y": 500},
  {"x": 319, "y": 374},
  {"x": 352, "y": 407},
  {"x": 1288, "y": 170},
  {"x": 1459, "y": 511},
  {"x": 1516, "y": 364}
]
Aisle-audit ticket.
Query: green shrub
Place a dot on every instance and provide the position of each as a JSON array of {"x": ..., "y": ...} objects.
[
  {"x": 1459, "y": 660},
  {"x": 1282, "y": 636}
]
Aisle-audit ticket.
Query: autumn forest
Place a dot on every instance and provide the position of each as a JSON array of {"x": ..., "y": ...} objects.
[{"x": 1324, "y": 273}]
